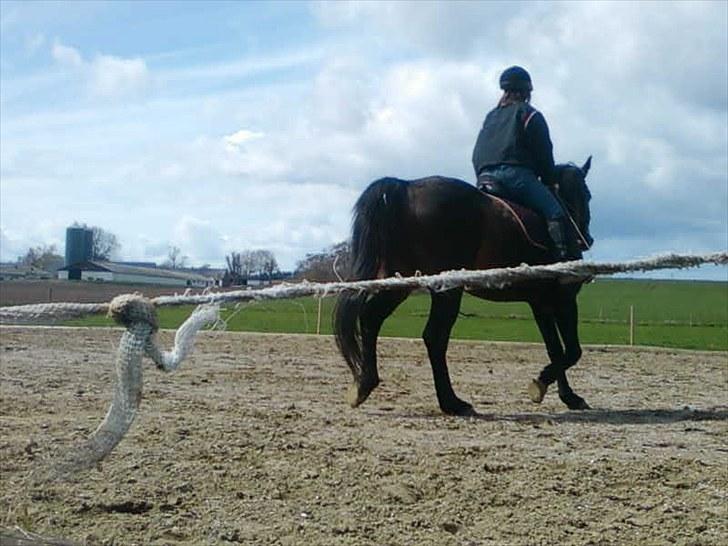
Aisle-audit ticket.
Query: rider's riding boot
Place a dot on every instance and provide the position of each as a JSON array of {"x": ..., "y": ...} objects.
[{"x": 558, "y": 236}]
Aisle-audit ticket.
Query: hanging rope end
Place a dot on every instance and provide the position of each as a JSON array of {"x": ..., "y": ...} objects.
[{"x": 128, "y": 309}]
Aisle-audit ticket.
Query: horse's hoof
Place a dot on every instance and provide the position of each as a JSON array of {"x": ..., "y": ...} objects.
[
  {"x": 536, "y": 391},
  {"x": 357, "y": 394},
  {"x": 575, "y": 402},
  {"x": 460, "y": 409},
  {"x": 467, "y": 411},
  {"x": 580, "y": 405}
]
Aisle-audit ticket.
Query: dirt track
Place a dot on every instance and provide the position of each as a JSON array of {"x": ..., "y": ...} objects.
[{"x": 252, "y": 443}]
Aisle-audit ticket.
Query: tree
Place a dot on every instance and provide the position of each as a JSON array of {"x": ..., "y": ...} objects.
[
  {"x": 247, "y": 263},
  {"x": 330, "y": 264},
  {"x": 264, "y": 263},
  {"x": 234, "y": 273},
  {"x": 43, "y": 257},
  {"x": 104, "y": 244},
  {"x": 175, "y": 258}
]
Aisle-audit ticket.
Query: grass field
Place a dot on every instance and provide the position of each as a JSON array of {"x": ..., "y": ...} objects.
[{"x": 679, "y": 314}]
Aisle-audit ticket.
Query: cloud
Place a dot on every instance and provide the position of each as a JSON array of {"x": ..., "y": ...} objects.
[
  {"x": 14, "y": 244},
  {"x": 105, "y": 76},
  {"x": 243, "y": 67},
  {"x": 199, "y": 239},
  {"x": 11, "y": 246},
  {"x": 66, "y": 55},
  {"x": 450, "y": 29},
  {"x": 235, "y": 141},
  {"x": 114, "y": 76}
]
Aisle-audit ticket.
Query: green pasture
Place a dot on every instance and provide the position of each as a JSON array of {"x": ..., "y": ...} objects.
[{"x": 679, "y": 314}]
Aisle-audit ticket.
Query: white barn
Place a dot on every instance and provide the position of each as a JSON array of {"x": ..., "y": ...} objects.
[{"x": 120, "y": 273}]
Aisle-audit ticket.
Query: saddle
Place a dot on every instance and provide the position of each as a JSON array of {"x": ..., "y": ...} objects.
[{"x": 530, "y": 222}]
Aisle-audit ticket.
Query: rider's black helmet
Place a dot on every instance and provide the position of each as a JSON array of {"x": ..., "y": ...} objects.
[{"x": 515, "y": 78}]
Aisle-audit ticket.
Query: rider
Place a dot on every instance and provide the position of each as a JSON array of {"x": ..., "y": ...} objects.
[{"x": 514, "y": 150}]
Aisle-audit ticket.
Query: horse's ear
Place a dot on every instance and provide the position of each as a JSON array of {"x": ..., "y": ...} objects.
[{"x": 585, "y": 168}]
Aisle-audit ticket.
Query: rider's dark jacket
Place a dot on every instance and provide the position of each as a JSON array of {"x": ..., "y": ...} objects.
[{"x": 516, "y": 134}]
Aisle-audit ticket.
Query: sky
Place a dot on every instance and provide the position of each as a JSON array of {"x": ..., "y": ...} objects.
[{"x": 226, "y": 126}]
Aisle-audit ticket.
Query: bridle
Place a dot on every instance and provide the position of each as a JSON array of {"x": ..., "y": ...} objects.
[{"x": 570, "y": 215}]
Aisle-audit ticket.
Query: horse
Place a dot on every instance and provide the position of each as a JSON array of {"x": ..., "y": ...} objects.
[{"x": 435, "y": 224}]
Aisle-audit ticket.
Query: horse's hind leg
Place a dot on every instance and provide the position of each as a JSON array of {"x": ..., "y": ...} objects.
[
  {"x": 443, "y": 313},
  {"x": 376, "y": 309}
]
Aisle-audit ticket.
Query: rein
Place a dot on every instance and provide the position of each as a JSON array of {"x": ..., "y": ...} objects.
[
  {"x": 567, "y": 210},
  {"x": 587, "y": 246}
]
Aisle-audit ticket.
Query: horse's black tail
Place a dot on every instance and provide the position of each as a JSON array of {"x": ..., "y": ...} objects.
[{"x": 374, "y": 234}]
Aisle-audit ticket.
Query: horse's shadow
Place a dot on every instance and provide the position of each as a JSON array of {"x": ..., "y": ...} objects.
[
  {"x": 608, "y": 416},
  {"x": 603, "y": 416}
]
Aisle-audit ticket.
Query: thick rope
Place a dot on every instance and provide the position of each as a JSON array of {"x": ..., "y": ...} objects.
[
  {"x": 140, "y": 318},
  {"x": 184, "y": 339},
  {"x": 496, "y": 278},
  {"x": 49, "y": 312},
  {"x": 489, "y": 278}
]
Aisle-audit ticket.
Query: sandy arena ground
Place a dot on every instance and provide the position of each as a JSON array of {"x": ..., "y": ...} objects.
[{"x": 252, "y": 443}]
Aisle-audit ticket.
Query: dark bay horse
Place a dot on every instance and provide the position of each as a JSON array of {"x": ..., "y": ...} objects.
[{"x": 437, "y": 224}]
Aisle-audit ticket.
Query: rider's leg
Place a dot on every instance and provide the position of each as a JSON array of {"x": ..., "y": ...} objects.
[
  {"x": 521, "y": 185},
  {"x": 537, "y": 196}
]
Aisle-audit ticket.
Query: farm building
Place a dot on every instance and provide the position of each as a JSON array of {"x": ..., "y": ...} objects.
[
  {"x": 92, "y": 270},
  {"x": 13, "y": 271}
]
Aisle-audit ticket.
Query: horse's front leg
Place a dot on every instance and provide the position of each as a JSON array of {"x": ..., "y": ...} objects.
[
  {"x": 554, "y": 370},
  {"x": 572, "y": 400},
  {"x": 443, "y": 313},
  {"x": 567, "y": 321},
  {"x": 552, "y": 321}
]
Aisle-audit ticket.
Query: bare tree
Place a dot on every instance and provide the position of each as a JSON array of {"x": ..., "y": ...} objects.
[
  {"x": 104, "y": 244},
  {"x": 234, "y": 273},
  {"x": 43, "y": 257},
  {"x": 175, "y": 258},
  {"x": 248, "y": 263},
  {"x": 264, "y": 263},
  {"x": 327, "y": 265}
]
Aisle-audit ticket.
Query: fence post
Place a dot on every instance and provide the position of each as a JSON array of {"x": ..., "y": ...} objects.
[
  {"x": 631, "y": 324},
  {"x": 318, "y": 320}
]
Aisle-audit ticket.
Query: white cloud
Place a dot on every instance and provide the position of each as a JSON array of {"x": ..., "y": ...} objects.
[
  {"x": 114, "y": 76},
  {"x": 105, "y": 76},
  {"x": 15, "y": 243},
  {"x": 236, "y": 140},
  {"x": 11, "y": 246},
  {"x": 66, "y": 55},
  {"x": 242, "y": 67},
  {"x": 199, "y": 239},
  {"x": 453, "y": 28}
]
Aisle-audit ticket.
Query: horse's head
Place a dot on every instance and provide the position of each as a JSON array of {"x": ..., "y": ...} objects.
[{"x": 575, "y": 195}]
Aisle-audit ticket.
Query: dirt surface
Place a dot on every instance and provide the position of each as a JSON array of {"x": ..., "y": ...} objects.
[{"x": 252, "y": 443}]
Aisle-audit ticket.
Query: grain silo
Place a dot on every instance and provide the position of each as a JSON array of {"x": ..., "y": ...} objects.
[{"x": 79, "y": 244}]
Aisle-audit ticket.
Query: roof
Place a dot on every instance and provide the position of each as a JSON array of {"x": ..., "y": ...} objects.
[
  {"x": 94, "y": 265},
  {"x": 22, "y": 270}
]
